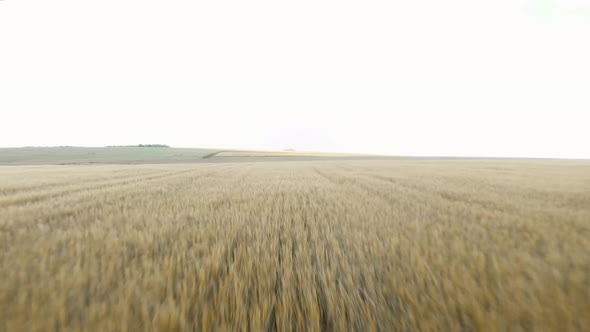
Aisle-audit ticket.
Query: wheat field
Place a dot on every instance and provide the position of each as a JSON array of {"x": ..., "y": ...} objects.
[
  {"x": 296, "y": 246},
  {"x": 269, "y": 154}
]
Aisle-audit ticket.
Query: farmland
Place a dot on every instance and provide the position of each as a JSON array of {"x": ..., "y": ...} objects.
[
  {"x": 105, "y": 155},
  {"x": 135, "y": 155},
  {"x": 367, "y": 245},
  {"x": 268, "y": 154}
]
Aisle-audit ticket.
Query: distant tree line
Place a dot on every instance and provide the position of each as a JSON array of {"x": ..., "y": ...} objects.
[{"x": 153, "y": 146}]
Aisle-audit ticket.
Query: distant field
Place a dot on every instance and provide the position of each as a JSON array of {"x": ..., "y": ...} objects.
[
  {"x": 153, "y": 155},
  {"x": 237, "y": 153},
  {"x": 110, "y": 155},
  {"x": 309, "y": 246}
]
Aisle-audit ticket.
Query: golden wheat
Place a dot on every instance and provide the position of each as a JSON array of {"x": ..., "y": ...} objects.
[{"x": 306, "y": 246}]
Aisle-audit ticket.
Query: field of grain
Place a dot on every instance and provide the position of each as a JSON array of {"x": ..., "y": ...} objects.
[
  {"x": 258, "y": 154},
  {"x": 306, "y": 246}
]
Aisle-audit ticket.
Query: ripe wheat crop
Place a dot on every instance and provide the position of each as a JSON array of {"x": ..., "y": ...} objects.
[{"x": 306, "y": 246}]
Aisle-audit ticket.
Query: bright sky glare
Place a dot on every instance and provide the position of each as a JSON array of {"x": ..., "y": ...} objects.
[{"x": 427, "y": 77}]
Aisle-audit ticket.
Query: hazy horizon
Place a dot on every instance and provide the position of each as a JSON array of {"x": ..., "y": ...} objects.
[{"x": 487, "y": 79}]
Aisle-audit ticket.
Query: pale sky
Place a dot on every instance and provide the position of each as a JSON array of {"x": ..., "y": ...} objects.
[{"x": 423, "y": 77}]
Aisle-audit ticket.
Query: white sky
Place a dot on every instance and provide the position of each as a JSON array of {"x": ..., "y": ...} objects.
[{"x": 420, "y": 77}]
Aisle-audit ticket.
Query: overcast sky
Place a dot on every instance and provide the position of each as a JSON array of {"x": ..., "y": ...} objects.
[{"x": 420, "y": 77}]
